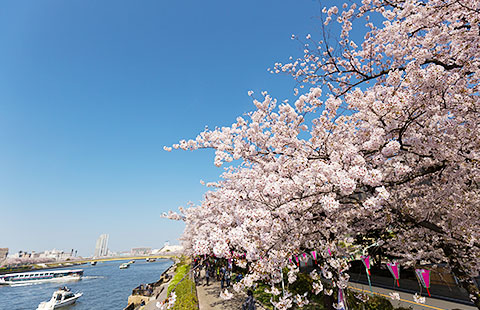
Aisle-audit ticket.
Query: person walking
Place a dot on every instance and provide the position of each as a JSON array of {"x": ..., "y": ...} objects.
[
  {"x": 207, "y": 274},
  {"x": 196, "y": 276},
  {"x": 228, "y": 277},
  {"x": 222, "y": 277},
  {"x": 249, "y": 303}
]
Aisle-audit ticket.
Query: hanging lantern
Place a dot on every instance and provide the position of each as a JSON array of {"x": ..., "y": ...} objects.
[
  {"x": 366, "y": 262},
  {"x": 395, "y": 271},
  {"x": 290, "y": 260},
  {"x": 305, "y": 258},
  {"x": 314, "y": 255},
  {"x": 298, "y": 262},
  {"x": 423, "y": 276},
  {"x": 329, "y": 252}
]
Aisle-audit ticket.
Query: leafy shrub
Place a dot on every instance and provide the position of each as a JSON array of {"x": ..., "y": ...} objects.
[
  {"x": 180, "y": 272},
  {"x": 186, "y": 296},
  {"x": 185, "y": 290}
]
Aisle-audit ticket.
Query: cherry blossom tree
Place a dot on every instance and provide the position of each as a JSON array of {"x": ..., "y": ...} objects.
[{"x": 383, "y": 147}]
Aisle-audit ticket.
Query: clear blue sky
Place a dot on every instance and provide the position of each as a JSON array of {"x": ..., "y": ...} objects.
[{"x": 91, "y": 91}]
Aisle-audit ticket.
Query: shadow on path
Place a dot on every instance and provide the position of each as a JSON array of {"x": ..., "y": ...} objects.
[{"x": 209, "y": 298}]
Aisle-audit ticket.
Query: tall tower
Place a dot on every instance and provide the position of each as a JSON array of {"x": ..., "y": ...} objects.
[{"x": 101, "y": 248}]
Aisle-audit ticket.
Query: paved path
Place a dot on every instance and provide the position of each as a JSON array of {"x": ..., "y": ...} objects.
[
  {"x": 406, "y": 299},
  {"x": 209, "y": 298}
]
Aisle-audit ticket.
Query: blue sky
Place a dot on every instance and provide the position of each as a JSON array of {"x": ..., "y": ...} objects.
[{"x": 91, "y": 91}]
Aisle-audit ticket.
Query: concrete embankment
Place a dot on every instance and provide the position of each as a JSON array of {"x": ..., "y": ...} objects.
[{"x": 145, "y": 296}]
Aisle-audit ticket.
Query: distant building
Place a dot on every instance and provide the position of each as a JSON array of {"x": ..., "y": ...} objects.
[
  {"x": 55, "y": 254},
  {"x": 141, "y": 251},
  {"x": 168, "y": 249},
  {"x": 101, "y": 248},
  {"x": 3, "y": 254}
]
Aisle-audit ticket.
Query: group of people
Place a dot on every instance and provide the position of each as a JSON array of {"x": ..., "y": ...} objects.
[
  {"x": 220, "y": 273},
  {"x": 216, "y": 270}
]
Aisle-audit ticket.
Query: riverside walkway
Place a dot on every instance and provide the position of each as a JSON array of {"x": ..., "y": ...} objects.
[
  {"x": 209, "y": 298},
  {"x": 160, "y": 292}
]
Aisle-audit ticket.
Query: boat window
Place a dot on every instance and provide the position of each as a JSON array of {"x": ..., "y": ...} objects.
[{"x": 59, "y": 296}]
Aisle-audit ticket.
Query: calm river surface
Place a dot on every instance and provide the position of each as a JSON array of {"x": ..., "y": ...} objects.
[{"x": 104, "y": 286}]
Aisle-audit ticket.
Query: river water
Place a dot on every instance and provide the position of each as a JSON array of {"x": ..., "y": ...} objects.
[{"x": 104, "y": 286}]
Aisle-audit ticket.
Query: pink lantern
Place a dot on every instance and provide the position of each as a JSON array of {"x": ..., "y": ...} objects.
[
  {"x": 290, "y": 260},
  {"x": 366, "y": 262},
  {"x": 395, "y": 270},
  {"x": 298, "y": 262},
  {"x": 305, "y": 258},
  {"x": 314, "y": 255},
  {"x": 329, "y": 252},
  {"x": 423, "y": 276}
]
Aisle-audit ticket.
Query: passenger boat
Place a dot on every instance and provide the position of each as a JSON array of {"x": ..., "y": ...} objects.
[
  {"x": 60, "y": 298},
  {"x": 93, "y": 263},
  {"x": 124, "y": 266},
  {"x": 40, "y": 277},
  {"x": 150, "y": 260},
  {"x": 131, "y": 262}
]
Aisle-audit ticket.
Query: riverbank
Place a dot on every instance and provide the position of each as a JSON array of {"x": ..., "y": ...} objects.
[
  {"x": 144, "y": 294},
  {"x": 178, "y": 278}
]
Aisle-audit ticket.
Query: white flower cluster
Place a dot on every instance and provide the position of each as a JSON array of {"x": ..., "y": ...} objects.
[
  {"x": 168, "y": 303},
  {"x": 292, "y": 273},
  {"x": 273, "y": 290},
  {"x": 225, "y": 295},
  {"x": 301, "y": 300},
  {"x": 419, "y": 299},
  {"x": 284, "y": 303}
]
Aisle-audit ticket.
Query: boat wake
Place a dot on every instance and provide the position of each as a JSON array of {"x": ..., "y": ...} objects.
[
  {"x": 23, "y": 284},
  {"x": 92, "y": 277}
]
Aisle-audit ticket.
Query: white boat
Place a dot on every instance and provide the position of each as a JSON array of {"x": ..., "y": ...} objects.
[
  {"x": 150, "y": 260},
  {"x": 93, "y": 263},
  {"x": 40, "y": 277},
  {"x": 124, "y": 266},
  {"x": 60, "y": 298}
]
